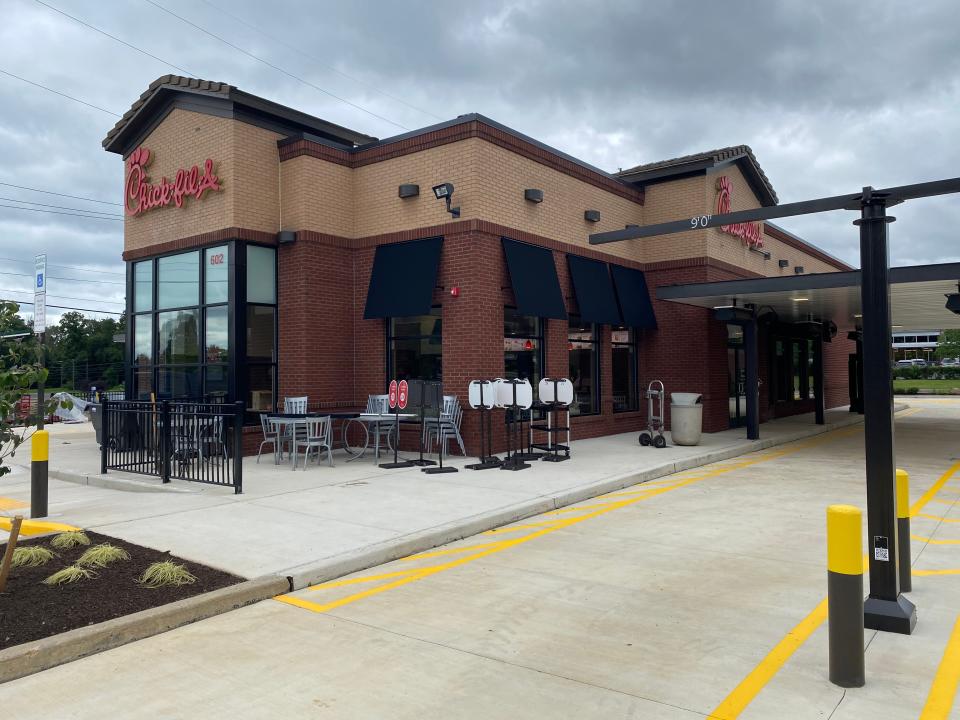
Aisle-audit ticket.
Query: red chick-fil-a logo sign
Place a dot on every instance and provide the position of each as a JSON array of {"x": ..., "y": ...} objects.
[
  {"x": 748, "y": 232},
  {"x": 141, "y": 195}
]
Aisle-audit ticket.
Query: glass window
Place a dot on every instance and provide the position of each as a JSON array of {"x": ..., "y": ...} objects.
[
  {"x": 178, "y": 283},
  {"x": 217, "y": 344},
  {"x": 215, "y": 383},
  {"x": 584, "y": 344},
  {"x": 142, "y": 384},
  {"x": 143, "y": 286},
  {"x": 217, "y": 269},
  {"x": 415, "y": 347},
  {"x": 624, "y": 360},
  {"x": 261, "y": 274},
  {"x": 795, "y": 367},
  {"x": 522, "y": 347},
  {"x": 179, "y": 336},
  {"x": 143, "y": 339},
  {"x": 260, "y": 388},
  {"x": 179, "y": 382},
  {"x": 260, "y": 333}
]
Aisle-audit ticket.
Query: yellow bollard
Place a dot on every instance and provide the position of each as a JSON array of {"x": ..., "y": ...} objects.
[
  {"x": 845, "y": 595},
  {"x": 903, "y": 530},
  {"x": 39, "y": 460}
]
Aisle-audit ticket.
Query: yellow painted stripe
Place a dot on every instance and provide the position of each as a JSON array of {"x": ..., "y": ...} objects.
[
  {"x": 12, "y": 504},
  {"x": 36, "y": 527},
  {"x": 450, "y": 551},
  {"x": 944, "y": 501},
  {"x": 935, "y": 572},
  {"x": 844, "y": 540},
  {"x": 744, "y": 693},
  {"x": 934, "y": 489},
  {"x": 944, "y": 687},
  {"x": 938, "y": 517},
  {"x": 40, "y": 446},
  {"x": 950, "y": 490},
  {"x": 576, "y": 508},
  {"x": 365, "y": 579},
  {"x": 932, "y": 541}
]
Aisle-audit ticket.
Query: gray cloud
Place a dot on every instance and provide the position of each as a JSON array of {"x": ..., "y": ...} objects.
[{"x": 831, "y": 95}]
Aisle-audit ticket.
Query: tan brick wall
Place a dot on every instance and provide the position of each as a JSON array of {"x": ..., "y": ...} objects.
[
  {"x": 673, "y": 201},
  {"x": 317, "y": 195},
  {"x": 245, "y": 158}
]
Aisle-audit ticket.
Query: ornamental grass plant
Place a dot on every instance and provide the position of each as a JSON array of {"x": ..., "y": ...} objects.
[
  {"x": 70, "y": 539},
  {"x": 164, "y": 573},
  {"x": 70, "y": 574},
  {"x": 31, "y": 556},
  {"x": 99, "y": 556}
]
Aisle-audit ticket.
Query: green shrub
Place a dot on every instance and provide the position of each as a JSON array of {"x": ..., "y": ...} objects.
[
  {"x": 69, "y": 574},
  {"x": 31, "y": 556},
  {"x": 166, "y": 572},
  {"x": 99, "y": 556},
  {"x": 71, "y": 539}
]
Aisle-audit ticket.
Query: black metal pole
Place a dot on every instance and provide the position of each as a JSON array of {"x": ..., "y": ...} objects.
[
  {"x": 239, "y": 412},
  {"x": 885, "y": 608},
  {"x": 752, "y": 353},
  {"x": 818, "y": 398}
]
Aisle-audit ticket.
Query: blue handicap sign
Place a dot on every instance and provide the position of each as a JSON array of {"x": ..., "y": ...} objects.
[{"x": 39, "y": 280}]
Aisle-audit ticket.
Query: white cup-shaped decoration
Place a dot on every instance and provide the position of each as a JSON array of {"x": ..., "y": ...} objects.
[
  {"x": 559, "y": 391},
  {"x": 524, "y": 394}
]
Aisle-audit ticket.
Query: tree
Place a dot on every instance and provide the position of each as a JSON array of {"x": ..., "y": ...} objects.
[
  {"x": 20, "y": 372},
  {"x": 949, "y": 346}
]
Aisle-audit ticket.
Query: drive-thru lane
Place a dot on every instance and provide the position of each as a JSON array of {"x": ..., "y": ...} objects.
[{"x": 672, "y": 599}]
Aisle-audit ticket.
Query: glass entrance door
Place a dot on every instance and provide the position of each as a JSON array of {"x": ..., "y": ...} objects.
[{"x": 736, "y": 376}]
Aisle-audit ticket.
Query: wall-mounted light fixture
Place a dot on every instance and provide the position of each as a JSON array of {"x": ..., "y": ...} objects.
[
  {"x": 591, "y": 215},
  {"x": 783, "y": 263},
  {"x": 455, "y": 291},
  {"x": 765, "y": 253},
  {"x": 285, "y": 237},
  {"x": 408, "y": 190},
  {"x": 533, "y": 195},
  {"x": 798, "y": 270},
  {"x": 444, "y": 191}
]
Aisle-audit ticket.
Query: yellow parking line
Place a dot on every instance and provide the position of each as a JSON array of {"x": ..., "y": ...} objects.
[
  {"x": 938, "y": 517},
  {"x": 744, "y": 693},
  {"x": 944, "y": 687},
  {"x": 932, "y": 541},
  {"x": 540, "y": 529},
  {"x": 576, "y": 508},
  {"x": 943, "y": 501},
  {"x": 934, "y": 489},
  {"x": 358, "y": 580},
  {"x": 450, "y": 551},
  {"x": 934, "y": 572},
  {"x": 12, "y": 504}
]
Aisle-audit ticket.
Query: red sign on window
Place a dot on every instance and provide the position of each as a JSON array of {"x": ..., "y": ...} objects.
[
  {"x": 392, "y": 394},
  {"x": 402, "y": 395}
]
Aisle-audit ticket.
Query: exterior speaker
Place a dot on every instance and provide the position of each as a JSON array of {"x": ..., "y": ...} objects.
[
  {"x": 783, "y": 263},
  {"x": 408, "y": 190},
  {"x": 285, "y": 237},
  {"x": 533, "y": 195},
  {"x": 798, "y": 270},
  {"x": 591, "y": 215}
]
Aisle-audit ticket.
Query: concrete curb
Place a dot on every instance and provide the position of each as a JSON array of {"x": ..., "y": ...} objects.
[
  {"x": 301, "y": 576},
  {"x": 29, "y": 658},
  {"x": 121, "y": 481}
]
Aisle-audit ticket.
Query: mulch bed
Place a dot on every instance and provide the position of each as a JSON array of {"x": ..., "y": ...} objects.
[{"x": 30, "y": 610}]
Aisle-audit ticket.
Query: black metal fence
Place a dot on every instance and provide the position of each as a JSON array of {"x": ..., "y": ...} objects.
[{"x": 201, "y": 442}]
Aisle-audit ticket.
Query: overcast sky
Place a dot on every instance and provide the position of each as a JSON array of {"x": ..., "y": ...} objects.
[{"x": 831, "y": 96}]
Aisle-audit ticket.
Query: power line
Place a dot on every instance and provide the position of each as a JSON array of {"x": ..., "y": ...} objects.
[
  {"x": 57, "y": 212},
  {"x": 61, "y": 94},
  {"x": 65, "y": 307},
  {"x": 50, "y": 192},
  {"x": 320, "y": 62},
  {"x": 71, "y": 267},
  {"x": 275, "y": 67},
  {"x": 63, "y": 207},
  {"x": 52, "y": 277},
  {"x": 65, "y": 297},
  {"x": 114, "y": 37}
]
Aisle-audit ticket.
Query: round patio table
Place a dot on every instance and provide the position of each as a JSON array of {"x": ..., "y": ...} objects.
[{"x": 292, "y": 420}]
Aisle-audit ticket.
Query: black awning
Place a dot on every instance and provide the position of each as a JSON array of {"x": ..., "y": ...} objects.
[
  {"x": 403, "y": 278},
  {"x": 635, "y": 305},
  {"x": 591, "y": 283},
  {"x": 534, "y": 278}
]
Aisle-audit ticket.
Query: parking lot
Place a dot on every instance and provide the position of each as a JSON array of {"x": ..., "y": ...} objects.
[{"x": 699, "y": 594}]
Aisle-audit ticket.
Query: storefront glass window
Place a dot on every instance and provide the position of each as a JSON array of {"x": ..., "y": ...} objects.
[
  {"x": 178, "y": 337},
  {"x": 584, "y": 342},
  {"x": 178, "y": 282},
  {"x": 217, "y": 343},
  {"x": 414, "y": 347},
  {"x": 217, "y": 273},
  {"x": 522, "y": 347},
  {"x": 143, "y": 339},
  {"x": 260, "y": 389},
  {"x": 261, "y": 275},
  {"x": 179, "y": 382},
  {"x": 624, "y": 360},
  {"x": 260, "y": 333},
  {"x": 143, "y": 286}
]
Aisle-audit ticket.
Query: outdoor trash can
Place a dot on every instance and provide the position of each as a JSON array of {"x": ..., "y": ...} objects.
[{"x": 686, "y": 418}]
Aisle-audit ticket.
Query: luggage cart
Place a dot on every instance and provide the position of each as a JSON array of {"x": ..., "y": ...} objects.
[{"x": 653, "y": 435}]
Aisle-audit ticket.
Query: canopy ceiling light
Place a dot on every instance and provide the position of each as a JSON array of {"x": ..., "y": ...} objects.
[{"x": 444, "y": 191}]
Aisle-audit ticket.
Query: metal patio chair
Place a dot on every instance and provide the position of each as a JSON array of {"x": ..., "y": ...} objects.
[
  {"x": 445, "y": 427},
  {"x": 318, "y": 436},
  {"x": 379, "y": 404},
  {"x": 295, "y": 405},
  {"x": 271, "y": 436}
]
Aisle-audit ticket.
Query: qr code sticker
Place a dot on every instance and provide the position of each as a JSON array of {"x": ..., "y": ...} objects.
[{"x": 881, "y": 554}]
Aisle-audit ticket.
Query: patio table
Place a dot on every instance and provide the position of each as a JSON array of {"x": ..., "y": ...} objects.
[
  {"x": 375, "y": 419},
  {"x": 282, "y": 421}
]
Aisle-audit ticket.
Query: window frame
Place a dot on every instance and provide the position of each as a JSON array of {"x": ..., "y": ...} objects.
[
  {"x": 595, "y": 364},
  {"x": 389, "y": 339},
  {"x": 633, "y": 345}
]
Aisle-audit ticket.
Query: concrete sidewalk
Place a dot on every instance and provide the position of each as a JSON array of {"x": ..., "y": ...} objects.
[{"x": 326, "y": 522}]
